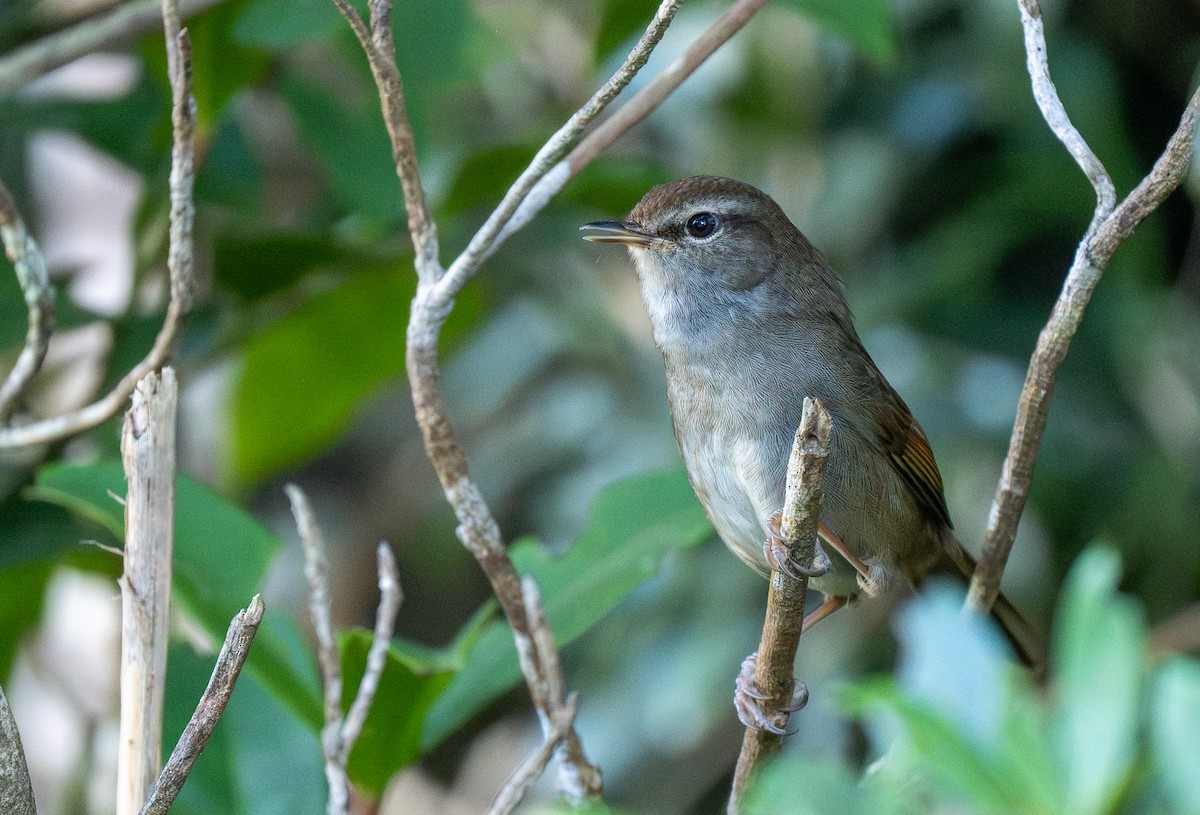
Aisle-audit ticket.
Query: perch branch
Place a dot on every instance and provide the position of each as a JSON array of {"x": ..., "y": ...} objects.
[
  {"x": 774, "y": 664},
  {"x": 1109, "y": 227},
  {"x": 340, "y": 733},
  {"x": 148, "y": 453},
  {"x": 112, "y": 28},
  {"x": 179, "y": 256},
  {"x": 212, "y": 704},
  {"x": 30, "y": 265}
]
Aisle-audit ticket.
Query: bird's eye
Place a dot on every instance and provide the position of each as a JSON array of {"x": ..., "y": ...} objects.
[{"x": 701, "y": 225}]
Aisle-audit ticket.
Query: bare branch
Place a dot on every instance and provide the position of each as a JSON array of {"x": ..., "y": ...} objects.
[
  {"x": 339, "y": 733},
  {"x": 212, "y": 704},
  {"x": 530, "y": 770},
  {"x": 498, "y": 225},
  {"x": 316, "y": 571},
  {"x": 16, "y": 792},
  {"x": 1046, "y": 96},
  {"x": 774, "y": 665},
  {"x": 148, "y": 452},
  {"x": 381, "y": 54},
  {"x": 390, "y": 598},
  {"x": 120, "y": 25},
  {"x": 30, "y": 266},
  {"x": 179, "y": 259},
  {"x": 1108, "y": 229}
]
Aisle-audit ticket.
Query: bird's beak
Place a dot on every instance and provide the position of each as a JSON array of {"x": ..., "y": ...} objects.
[{"x": 624, "y": 232}]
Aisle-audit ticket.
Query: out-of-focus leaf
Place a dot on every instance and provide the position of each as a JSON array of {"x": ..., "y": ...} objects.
[
  {"x": 220, "y": 557},
  {"x": 221, "y": 65},
  {"x": 273, "y": 25},
  {"x": 633, "y": 525},
  {"x": 303, "y": 379},
  {"x": 935, "y": 748},
  {"x": 794, "y": 784},
  {"x": 230, "y": 175},
  {"x": 412, "y": 679},
  {"x": 1098, "y": 654},
  {"x": 352, "y": 145},
  {"x": 621, "y": 20},
  {"x": 485, "y": 176},
  {"x": 866, "y": 23},
  {"x": 256, "y": 265},
  {"x": 1174, "y": 735},
  {"x": 22, "y": 588}
]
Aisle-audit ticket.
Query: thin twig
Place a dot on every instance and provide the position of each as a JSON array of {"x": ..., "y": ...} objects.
[
  {"x": 16, "y": 791},
  {"x": 774, "y": 664},
  {"x": 521, "y": 781},
  {"x": 120, "y": 25},
  {"x": 1109, "y": 227},
  {"x": 148, "y": 453},
  {"x": 381, "y": 55},
  {"x": 212, "y": 704},
  {"x": 179, "y": 258},
  {"x": 340, "y": 733},
  {"x": 30, "y": 266},
  {"x": 643, "y": 103},
  {"x": 500, "y": 223},
  {"x": 316, "y": 572},
  {"x": 390, "y": 598}
]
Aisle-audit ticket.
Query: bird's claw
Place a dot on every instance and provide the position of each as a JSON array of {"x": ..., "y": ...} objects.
[
  {"x": 748, "y": 702},
  {"x": 780, "y": 559}
]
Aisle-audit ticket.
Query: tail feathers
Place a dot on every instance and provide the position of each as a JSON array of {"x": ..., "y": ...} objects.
[{"x": 1024, "y": 639}]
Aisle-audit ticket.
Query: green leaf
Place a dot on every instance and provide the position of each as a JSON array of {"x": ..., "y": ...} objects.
[
  {"x": 622, "y": 20},
  {"x": 355, "y": 153},
  {"x": 412, "y": 679},
  {"x": 866, "y": 23},
  {"x": 931, "y": 746},
  {"x": 220, "y": 557},
  {"x": 633, "y": 525},
  {"x": 256, "y": 265},
  {"x": 329, "y": 355},
  {"x": 1174, "y": 736},
  {"x": 827, "y": 789},
  {"x": 1099, "y": 653},
  {"x": 276, "y": 25}
]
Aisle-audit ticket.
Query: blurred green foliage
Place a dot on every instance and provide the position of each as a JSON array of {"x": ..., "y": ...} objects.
[{"x": 901, "y": 137}]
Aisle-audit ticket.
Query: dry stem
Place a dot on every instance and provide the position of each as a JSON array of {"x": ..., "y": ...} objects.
[
  {"x": 16, "y": 792},
  {"x": 148, "y": 451},
  {"x": 179, "y": 256},
  {"x": 340, "y": 733},
  {"x": 212, "y": 704},
  {"x": 1109, "y": 227},
  {"x": 774, "y": 665}
]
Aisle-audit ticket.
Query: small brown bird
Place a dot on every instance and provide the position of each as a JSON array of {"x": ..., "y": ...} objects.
[{"x": 751, "y": 319}]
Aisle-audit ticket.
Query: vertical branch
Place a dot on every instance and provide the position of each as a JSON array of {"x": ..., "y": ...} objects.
[
  {"x": 16, "y": 793},
  {"x": 30, "y": 266},
  {"x": 773, "y": 666},
  {"x": 1109, "y": 227},
  {"x": 148, "y": 452}
]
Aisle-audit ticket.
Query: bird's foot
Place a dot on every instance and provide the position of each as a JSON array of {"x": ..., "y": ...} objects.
[
  {"x": 780, "y": 559},
  {"x": 753, "y": 706}
]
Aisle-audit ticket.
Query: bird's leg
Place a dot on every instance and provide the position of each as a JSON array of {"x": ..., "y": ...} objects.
[
  {"x": 832, "y": 603},
  {"x": 749, "y": 702},
  {"x": 870, "y": 579},
  {"x": 778, "y": 557}
]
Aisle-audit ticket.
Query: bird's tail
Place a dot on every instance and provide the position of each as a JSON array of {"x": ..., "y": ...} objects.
[{"x": 1024, "y": 638}]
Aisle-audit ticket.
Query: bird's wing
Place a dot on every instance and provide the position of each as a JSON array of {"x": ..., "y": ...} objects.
[{"x": 908, "y": 449}]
